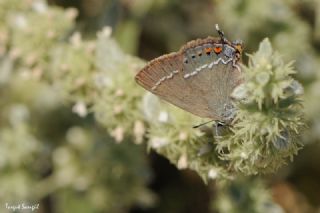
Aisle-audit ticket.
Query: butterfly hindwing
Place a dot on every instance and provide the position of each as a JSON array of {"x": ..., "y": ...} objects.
[{"x": 195, "y": 79}]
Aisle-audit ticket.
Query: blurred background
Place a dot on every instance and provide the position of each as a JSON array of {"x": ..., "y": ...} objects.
[{"x": 72, "y": 134}]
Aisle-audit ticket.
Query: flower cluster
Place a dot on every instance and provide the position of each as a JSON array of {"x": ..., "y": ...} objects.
[{"x": 265, "y": 131}]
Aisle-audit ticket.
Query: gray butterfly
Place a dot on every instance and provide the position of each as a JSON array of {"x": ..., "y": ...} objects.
[{"x": 199, "y": 78}]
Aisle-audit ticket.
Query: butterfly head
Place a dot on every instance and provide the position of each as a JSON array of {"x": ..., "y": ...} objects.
[
  {"x": 231, "y": 49},
  {"x": 238, "y": 45}
]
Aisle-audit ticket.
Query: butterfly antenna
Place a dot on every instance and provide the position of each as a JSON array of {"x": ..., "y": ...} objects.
[
  {"x": 220, "y": 32},
  {"x": 199, "y": 125}
]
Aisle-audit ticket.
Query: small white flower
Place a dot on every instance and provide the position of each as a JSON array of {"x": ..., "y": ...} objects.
[
  {"x": 40, "y": 6},
  {"x": 183, "y": 136},
  {"x": 158, "y": 142},
  {"x": 71, "y": 13},
  {"x": 182, "y": 162},
  {"x": 151, "y": 106},
  {"x": 118, "y": 134},
  {"x": 76, "y": 39},
  {"x": 119, "y": 93},
  {"x": 213, "y": 173},
  {"x": 243, "y": 155},
  {"x": 20, "y": 22},
  {"x": 80, "y": 109},
  {"x": 163, "y": 116},
  {"x": 139, "y": 131},
  {"x": 105, "y": 32}
]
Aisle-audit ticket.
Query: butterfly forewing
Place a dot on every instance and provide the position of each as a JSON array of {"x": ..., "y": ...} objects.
[{"x": 164, "y": 78}]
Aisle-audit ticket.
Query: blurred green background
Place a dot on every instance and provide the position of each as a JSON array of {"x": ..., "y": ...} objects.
[{"x": 74, "y": 124}]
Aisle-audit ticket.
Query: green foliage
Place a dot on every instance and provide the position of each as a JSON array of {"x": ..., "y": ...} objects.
[
  {"x": 281, "y": 22},
  {"x": 118, "y": 100},
  {"x": 45, "y": 149},
  {"x": 97, "y": 75},
  {"x": 111, "y": 186},
  {"x": 27, "y": 44},
  {"x": 245, "y": 195}
]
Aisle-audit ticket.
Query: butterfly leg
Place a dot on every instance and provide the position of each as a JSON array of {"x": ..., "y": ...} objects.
[
  {"x": 218, "y": 129},
  {"x": 199, "y": 125},
  {"x": 235, "y": 65}
]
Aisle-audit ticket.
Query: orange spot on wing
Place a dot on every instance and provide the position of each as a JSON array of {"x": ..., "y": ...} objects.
[
  {"x": 208, "y": 50},
  {"x": 217, "y": 50}
]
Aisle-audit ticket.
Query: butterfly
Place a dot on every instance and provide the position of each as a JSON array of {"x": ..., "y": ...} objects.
[{"x": 199, "y": 78}]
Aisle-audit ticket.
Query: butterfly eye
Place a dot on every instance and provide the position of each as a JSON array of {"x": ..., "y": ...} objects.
[
  {"x": 217, "y": 49},
  {"x": 238, "y": 45}
]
